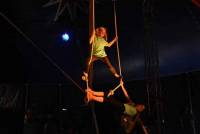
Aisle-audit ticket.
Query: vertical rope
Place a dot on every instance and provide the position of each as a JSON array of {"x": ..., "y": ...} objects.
[
  {"x": 118, "y": 53},
  {"x": 91, "y": 30}
]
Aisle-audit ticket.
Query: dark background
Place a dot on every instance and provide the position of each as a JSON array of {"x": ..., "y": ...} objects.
[{"x": 176, "y": 29}]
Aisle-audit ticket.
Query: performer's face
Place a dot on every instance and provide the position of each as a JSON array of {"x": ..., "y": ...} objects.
[
  {"x": 140, "y": 107},
  {"x": 101, "y": 32}
]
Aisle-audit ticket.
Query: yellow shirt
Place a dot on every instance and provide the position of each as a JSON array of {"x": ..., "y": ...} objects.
[
  {"x": 98, "y": 47},
  {"x": 130, "y": 109}
]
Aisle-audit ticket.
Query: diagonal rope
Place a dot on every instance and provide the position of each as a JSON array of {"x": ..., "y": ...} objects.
[
  {"x": 41, "y": 51},
  {"x": 113, "y": 91},
  {"x": 123, "y": 89}
]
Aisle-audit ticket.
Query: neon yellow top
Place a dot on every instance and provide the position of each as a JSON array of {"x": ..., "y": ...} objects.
[
  {"x": 98, "y": 48},
  {"x": 130, "y": 109}
]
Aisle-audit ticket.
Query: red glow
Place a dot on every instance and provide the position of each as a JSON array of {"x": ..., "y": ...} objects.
[{"x": 196, "y": 2}]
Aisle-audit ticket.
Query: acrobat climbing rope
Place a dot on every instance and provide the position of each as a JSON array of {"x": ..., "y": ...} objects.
[{"x": 98, "y": 40}]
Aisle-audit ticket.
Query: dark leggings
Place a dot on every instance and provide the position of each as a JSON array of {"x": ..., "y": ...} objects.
[
  {"x": 117, "y": 105},
  {"x": 104, "y": 60}
]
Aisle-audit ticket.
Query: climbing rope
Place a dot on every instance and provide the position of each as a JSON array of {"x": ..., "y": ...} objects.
[
  {"x": 116, "y": 33},
  {"x": 118, "y": 52},
  {"x": 92, "y": 29}
]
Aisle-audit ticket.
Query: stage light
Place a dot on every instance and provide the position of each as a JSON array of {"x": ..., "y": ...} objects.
[
  {"x": 65, "y": 37},
  {"x": 64, "y": 109}
]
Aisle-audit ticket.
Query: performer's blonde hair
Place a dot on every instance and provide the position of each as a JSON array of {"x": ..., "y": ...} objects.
[{"x": 102, "y": 29}]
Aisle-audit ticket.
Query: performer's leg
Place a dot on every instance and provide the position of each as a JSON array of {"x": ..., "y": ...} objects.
[
  {"x": 95, "y": 93},
  {"x": 88, "y": 65},
  {"x": 104, "y": 99},
  {"x": 111, "y": 68},
  {"x": 115, "y": 104},
  {"x": 91, "y": 97},
  {"x": 89, "y": 62}
]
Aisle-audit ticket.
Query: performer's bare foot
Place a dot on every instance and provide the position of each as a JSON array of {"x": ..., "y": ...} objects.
[
  {"x": 85, "y": 76},
  {"x": 117, "y": 75}
]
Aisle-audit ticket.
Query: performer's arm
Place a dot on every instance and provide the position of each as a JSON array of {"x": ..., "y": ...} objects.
[
  {"x": 112, "y": 42},
  {"x": 142, "y": 125}
]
